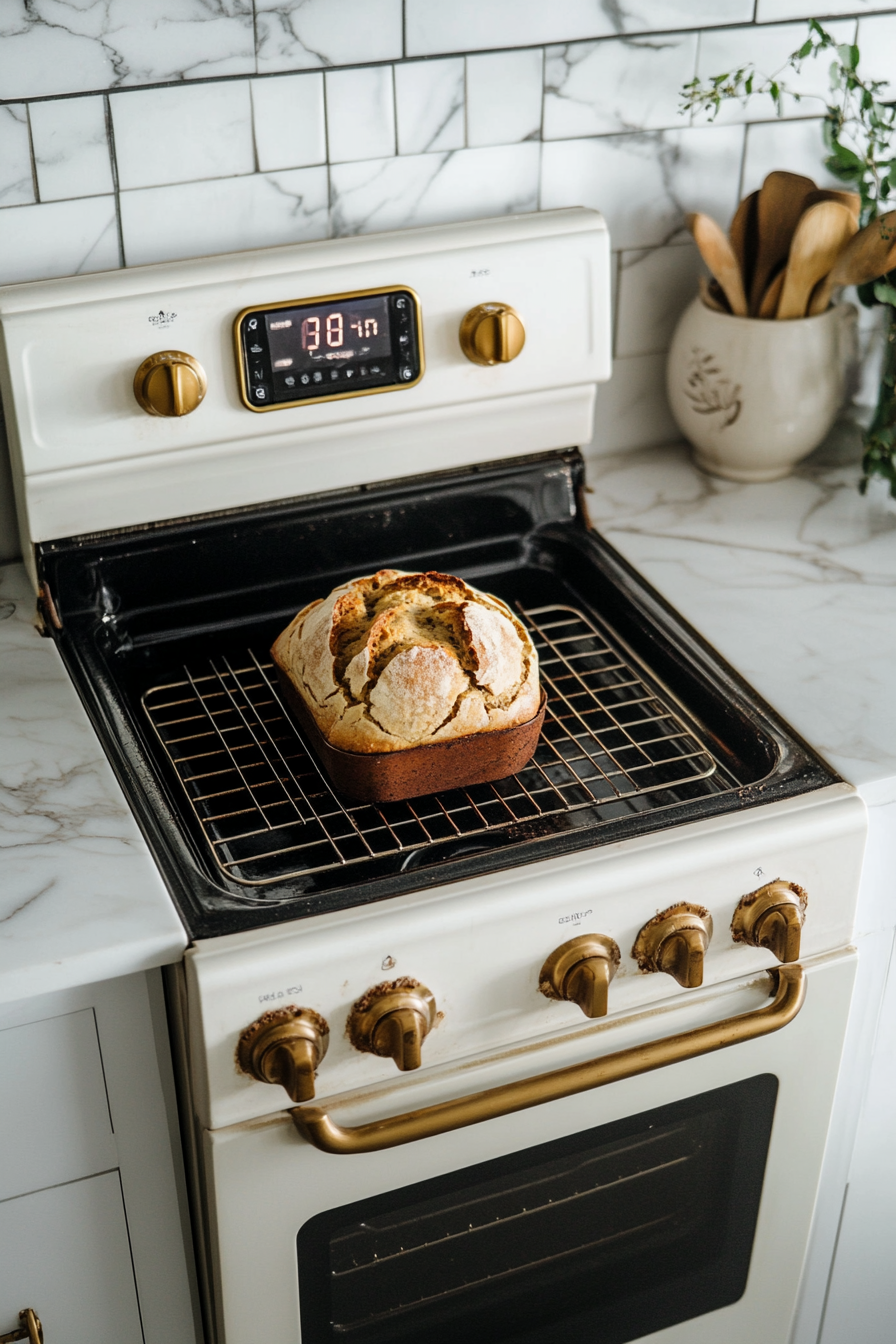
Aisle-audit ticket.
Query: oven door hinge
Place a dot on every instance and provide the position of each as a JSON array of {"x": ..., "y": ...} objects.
[{"x": 47, "y": 610}]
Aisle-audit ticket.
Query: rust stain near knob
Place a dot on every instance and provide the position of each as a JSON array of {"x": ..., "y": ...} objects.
[{"x": 170, "y": 383}]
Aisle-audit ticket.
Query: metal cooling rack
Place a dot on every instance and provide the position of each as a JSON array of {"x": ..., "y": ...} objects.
[{"x": 610, "y": 742}]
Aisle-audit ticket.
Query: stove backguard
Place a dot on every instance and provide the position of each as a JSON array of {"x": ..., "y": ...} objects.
[{"x": 648, "y": 727}]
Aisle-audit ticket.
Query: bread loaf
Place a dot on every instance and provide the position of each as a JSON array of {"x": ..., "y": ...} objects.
[{"x": 396, "y": 660}]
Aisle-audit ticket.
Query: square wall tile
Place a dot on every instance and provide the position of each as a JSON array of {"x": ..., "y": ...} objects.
[
  {"x": 288, "y": 112},
  {"x": 632, "y": 409},
  {"x": 504, "y": 96},
  {"x": 654, "y": 289},
  {"x": 73, "y": 47},
  {"x": 645, "y": 182},
  {"x": 771, "y": 11},
  {"x": 768, "y": 48},
  {"x": 16, "y": 182},
  {"x": 418, "y": 189},
  {"x": 429, "y": 98},
  {"x": 877, "y": 44},
  {"x": 360, "y": 113},
  {"x": 39, "y": 242},
  {"x": 436, "y": 26},
  {"x": 198, "y": 130},
  {"x": 797, "y": 146},
  {"x": 310, "y": 34},
  {"x": 71, "y": 148},
  {"x": 197, "y": 219},
  {"x": 598, "y": 88}
]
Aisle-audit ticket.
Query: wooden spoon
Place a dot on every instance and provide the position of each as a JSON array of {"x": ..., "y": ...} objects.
[
  {"x": 772, "y": 296},
  {"x": 820, "y": 237},
  {"x": 718, "y": 254},
  {"x": 744, "y": 238},
  {"x": 866, "y": 256},
  {"x": 851, "y": 199},
  {"x": 781, "y": 202}
]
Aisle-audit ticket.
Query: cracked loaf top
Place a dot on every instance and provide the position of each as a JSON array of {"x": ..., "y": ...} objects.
[{"x": 397, "y": 660}]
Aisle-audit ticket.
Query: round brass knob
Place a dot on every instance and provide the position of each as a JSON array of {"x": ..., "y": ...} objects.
[
  {"x": 393, "y": 1020},
  {"x": 492, "y": 333},
  {"x": 675, "y": 942},
  {"x": 580, "y": 971},
  {"x": 285, "y": 1046},
  {"x": 170, "y": 383},
  {"x": 772, "y": 917}
]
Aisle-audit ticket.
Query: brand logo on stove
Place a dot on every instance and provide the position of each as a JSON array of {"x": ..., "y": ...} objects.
[
  {"x": 161, "y": 318},
  {"x": 576, "y": 918}
]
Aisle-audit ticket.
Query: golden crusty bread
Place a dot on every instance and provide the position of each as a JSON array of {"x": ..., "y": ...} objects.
[{"x": 396, "y": 660}]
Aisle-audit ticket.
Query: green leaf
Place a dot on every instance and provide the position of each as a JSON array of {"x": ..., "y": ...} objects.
[
  {"x": 884, "y": 292},
  {"x": 804, "y": 50}
]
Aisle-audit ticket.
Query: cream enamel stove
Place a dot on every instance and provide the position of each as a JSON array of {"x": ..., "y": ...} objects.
[{"x": 549, "y": 1058}]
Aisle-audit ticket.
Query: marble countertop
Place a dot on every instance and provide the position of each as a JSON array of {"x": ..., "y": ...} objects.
[
  {"x": 80, "y": 898},
  {"x": 794, "y": 582}
]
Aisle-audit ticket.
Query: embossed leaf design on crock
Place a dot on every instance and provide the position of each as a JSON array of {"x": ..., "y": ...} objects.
[{"x": 709, "y": 391}]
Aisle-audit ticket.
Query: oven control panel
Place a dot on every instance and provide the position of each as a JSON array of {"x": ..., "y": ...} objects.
[{"x": 329, "y": 347}]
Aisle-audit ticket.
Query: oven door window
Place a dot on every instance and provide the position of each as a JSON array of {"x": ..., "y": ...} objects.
[{"x": 610, "y": 1234}]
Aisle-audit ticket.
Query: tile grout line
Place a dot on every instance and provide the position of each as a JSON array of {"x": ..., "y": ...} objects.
[
  {"x": 116, "y": 191},
  {"x": 35, "y": 185}
]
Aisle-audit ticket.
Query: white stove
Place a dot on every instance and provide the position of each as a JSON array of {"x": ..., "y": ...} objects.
[{"x": 552, "y": 1055}]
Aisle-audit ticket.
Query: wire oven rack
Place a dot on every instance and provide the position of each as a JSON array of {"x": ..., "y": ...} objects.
[{"x": 611, "y": 742}]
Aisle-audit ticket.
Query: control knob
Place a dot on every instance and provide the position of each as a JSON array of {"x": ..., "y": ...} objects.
[
  {"x": 285, "y": 1046},
  {"x": 580, "y": 971},
  {"x": 772, "y": 917},
  {"x": 492, "y": 333},
  {"x": 393, "y": 1020},
  {"x": 170, "y": 383},
  {"x": 675, "y": 942}
]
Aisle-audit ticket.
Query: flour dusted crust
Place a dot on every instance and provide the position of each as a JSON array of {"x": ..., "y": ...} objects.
[{"x": 396, "y": 660}]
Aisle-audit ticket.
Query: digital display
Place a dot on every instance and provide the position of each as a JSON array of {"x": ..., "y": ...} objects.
[{"x": 329, "y": 347}]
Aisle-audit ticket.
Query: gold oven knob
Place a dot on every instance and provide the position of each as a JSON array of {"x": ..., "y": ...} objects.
[
  {"x": 393, "y": 1020},
  {"x": 170, "y": 383},
  {"x": 492, "y": 333},
  {"x": 285, "y": 1046},
  {"x": 580, "y": 971},
  {"x": 772, "y": 917},
  {"x": 675, "y": 942}
]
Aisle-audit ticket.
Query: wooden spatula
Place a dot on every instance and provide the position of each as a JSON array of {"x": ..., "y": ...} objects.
[
  {"x": 781, "y": 201},
  {"x": 718, "y": 254},
  {"x": 820, "y": 237},
  {"x": 851, "y": 199},
  {"x": 867, "y": 255},
  {"x": 743, "y": 237}
]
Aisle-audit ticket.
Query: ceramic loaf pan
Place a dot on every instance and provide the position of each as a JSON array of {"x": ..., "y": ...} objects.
[{"x": 434, "y": 767}]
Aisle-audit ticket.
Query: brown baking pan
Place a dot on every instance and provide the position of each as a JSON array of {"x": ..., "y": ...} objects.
[{"x": 391, "y": 776}]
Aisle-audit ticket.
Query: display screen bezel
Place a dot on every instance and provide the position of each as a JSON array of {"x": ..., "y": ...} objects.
[{"x": 264, "y": 309}]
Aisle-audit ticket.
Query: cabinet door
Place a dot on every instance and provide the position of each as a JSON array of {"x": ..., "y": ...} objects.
[
  {"x": 65, "y": 1253},
  {"x": 54, "y": 1120}
]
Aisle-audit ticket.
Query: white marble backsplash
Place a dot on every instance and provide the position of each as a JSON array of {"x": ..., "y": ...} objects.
[{"x": 134, "y": 131}]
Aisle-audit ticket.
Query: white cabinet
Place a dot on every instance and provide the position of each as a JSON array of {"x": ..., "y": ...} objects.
[
  {"x": 65, "y": 1253},
  {"x": 94, "y": 1228}
]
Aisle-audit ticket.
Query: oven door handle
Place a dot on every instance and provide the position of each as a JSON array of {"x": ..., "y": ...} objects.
[{"x": 314, "y": 1123}]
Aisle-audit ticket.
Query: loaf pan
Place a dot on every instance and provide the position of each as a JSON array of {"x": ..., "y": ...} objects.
[{"x": 435, "y": 767}]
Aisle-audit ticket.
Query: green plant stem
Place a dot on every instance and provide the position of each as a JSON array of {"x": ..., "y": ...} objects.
[{"x": 880, "y": 439}]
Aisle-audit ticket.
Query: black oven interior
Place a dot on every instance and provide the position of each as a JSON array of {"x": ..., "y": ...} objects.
[
  {"x": 166, "y": 629},
  {"x": 608, "y": 1235}
]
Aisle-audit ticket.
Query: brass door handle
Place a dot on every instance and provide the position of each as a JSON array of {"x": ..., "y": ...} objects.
[
  {"x": 316, "y": 1126},
  {"x": 30, "y": 1329}
]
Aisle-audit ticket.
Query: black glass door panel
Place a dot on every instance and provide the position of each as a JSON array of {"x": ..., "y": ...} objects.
[{"x": 606, "y": 1235}]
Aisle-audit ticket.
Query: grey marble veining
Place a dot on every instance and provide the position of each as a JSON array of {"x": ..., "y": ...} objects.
[
  {"x": 793, "y": 581},
  {"x": 80, "y": 897}
]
